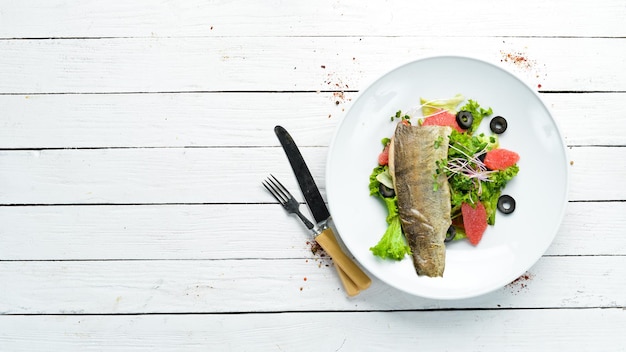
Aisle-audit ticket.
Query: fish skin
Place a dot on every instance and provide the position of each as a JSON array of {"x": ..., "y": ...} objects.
[{"x": 424, "y": 212}]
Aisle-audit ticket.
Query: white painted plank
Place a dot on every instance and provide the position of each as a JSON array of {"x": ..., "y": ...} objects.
[
  {"x": 591, "y": 228},
  {"x": 290, "y": 63},
  {"x": 229, "y": 232},
  {"x": 328, "y": 17},
  {"x": 213, "y": 175},
  {"x": 209, "y": 175},
  {"x": 596, "y": 177},
  {"x": 580, "y": 118},
  {"x": 152, "y": 232},
  {"x": 491, "y": 330},
  {"x": 222, "y": 286},
  {"x": 238, "y": 119},
  {"x": 158, "y": 120}
]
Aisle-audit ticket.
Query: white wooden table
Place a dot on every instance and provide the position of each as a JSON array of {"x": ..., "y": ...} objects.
[{"x": 134, "y": 136}]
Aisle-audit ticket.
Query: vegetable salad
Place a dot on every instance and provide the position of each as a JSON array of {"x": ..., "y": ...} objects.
[{"x": 477, "y": 171}]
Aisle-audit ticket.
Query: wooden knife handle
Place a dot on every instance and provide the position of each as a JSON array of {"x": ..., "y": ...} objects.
[
  {"x": 329, "y": 243},
  {"x": 348, "y": 284}
]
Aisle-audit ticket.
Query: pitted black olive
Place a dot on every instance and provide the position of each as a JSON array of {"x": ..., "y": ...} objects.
[
  {"x": 450, "y": 234},
  {"x": 506, "y": 204},
  {"x": 498, "y": 124},
  {"x": 386, "y": 191},
  {"x": 464, "y": 119}
]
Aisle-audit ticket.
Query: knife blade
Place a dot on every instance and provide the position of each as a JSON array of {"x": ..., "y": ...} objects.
[{"x": 325, "y": 237}]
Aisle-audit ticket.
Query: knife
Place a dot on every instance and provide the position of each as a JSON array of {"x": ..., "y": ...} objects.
[{"x": 347, "y": 269}]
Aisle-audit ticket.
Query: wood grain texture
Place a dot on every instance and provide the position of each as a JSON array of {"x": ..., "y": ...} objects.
[
  {"x": 256, "y": 285},
  {"x": 474, "y": 330},
  {"x": 148, "y": 18},
  {"x": 217, "y": 232},
  {"x": 236, "y": 119},
  {"x": 207, "y": 175},
  {"x": 134, "y": 136},
  {"x": 290, "y": 63}
]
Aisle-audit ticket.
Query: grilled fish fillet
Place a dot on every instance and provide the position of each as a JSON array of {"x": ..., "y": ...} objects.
[{"x": 424, "y": 211}]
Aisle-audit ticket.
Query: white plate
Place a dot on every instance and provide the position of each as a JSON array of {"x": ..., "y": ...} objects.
[{"x": 507, "y": 249}]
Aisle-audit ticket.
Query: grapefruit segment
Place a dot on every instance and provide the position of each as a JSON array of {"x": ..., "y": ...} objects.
[
  {"x": 442, "y": 118},
  {"x": 474, "y": 221},
  {"x": 500, "y": 159}
]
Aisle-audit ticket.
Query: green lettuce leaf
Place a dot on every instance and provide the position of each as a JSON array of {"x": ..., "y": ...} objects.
[{"x": 393, "y": 244}]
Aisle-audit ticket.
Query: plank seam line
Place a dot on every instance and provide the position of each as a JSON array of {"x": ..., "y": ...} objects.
[
  {"x": 216, "y": 203},
  {"x": 309, "y": 91},
  {"x": 130, "y": 204},
  {"x": 249, "y": 258},
  {"x": 157, "y": 260},
  {"x": 183, "y": 92},
  {"x": 323, "y": 311},
  {"x": 20, "y": 149},
  {"x": 305, "y": 36},
  {"x": 158, "y": 147}
]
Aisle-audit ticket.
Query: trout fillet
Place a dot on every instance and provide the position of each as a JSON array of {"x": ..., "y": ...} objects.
[{"x": 424, "y": 208}]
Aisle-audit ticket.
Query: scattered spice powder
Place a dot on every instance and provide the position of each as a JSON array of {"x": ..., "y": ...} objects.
[
  {"x": 315, "y": 248},
  {"x": 518, "y": 58},
  {"x": 321, "y": 258},
  {"x": 520, "y": 283},
  {"x": 338, "y": 86},
  {"x": 521, "y": 61}
]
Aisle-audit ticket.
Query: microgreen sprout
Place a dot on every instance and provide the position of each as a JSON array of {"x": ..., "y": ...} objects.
[{"x": 471, "y": 167}]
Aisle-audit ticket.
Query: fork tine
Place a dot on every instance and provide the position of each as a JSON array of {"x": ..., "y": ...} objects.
[
  {"x": 269, "y": 189},
  {"x": 282, "y": 188},
  {"x": 272, "y": 189}
]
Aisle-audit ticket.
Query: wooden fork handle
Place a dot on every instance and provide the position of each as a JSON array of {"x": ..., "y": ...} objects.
[{"x": 328, "y": 242}]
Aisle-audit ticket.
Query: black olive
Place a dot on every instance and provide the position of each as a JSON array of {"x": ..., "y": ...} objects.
[
  {"x": 450, "y": 234},
  {"x": 464, "y": 119},
  {"x": 482, "y": 156},
  {"x": 498, "y": 124},
  {"x": 506, "y": 204},
  {"x": 386, "y": 191}
]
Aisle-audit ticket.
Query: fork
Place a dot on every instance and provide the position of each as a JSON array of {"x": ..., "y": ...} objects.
[
  {"x": 292, "y": 206},
  {"x": 285, "y": 199}
]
